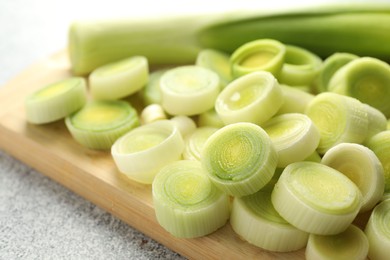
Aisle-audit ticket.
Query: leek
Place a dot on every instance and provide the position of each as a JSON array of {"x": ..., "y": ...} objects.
[
  {"x": 151, "y": 94},
  {"x": 185, "y": 124},
  {"x": 152, "y": 113},
  {"x": 196, "y": 141},
  {"x": 210, "y": 118},
  {"x": 295, "y": 100}
]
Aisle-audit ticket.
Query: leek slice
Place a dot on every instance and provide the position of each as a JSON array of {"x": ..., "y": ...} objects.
[
  {"x": 152, "y": 113},
  {"x": 119, "y": 79},
  {"x": 151, "y": 93},
  {"x": 294, "y": 136},
  {"x": 340, "y": 119},
  {"x": 255, "y": 220},
  {"x": 316, "y": 198},
  {"x": 100, "y": 123},
  {"x": 56, "y": 101},
  {"x": 254, "y": 98},
  {"x": 377, "y": 122},
  {"x": 196, "y": 141},
  {"x": 378, "y": 231},
  {"x": 239, "y": 158},
  {"x": 143, "y": 151},
  {"x": 349, "y": 244},
  {"x": 210, "y": 118},
  {"x": 295, "y": 100},
  {"x": 185, "y": 124},
  {"x": 259, "y": 55},
  {"x": 189, "y": 90},
  {"x": 360, "y": 165},
  {"x": 186, "y": 203}
]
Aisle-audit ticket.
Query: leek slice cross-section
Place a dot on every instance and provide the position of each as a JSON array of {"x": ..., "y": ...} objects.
[{"x": 196, "y": 141}]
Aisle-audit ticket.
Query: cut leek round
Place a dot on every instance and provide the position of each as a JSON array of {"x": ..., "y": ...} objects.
[
  {"x": 254, "y": 98},
  {"x": 360, "y": 165},
  {"x": 195, "y": 142},
  {"x": 151, "y": 113},
  {"x": 185, "y": 124},
  {"x": 377, "y": 122},
  {"x": 294, "y": 136},
  {"x": 349, "y": 244},
  {"x": 295, "y": 100},
  {"x": 56, "y": 101},
  {"x": 186, "y": 203},
  {"x": 210, "y": 118},
  {"x": 142, "y": 152},
  {"x": 100, "y": 123},
  {"x": 316, "y": 198},
  {"x": 151, "y": 93},
  {"x": 239, "y": 158},
  {"x": 189, "y": 90}
]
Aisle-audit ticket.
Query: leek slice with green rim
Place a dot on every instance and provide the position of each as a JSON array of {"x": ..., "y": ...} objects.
[
  {"x": 151, "y": 93},
  {"x": 378, "y": 231},
  {"x": 142, "y": 152},
  {"x": 210, "y": 118},
  {"x": 151, "y": 113},
  {"x": 100, "y": 123},
  {"x": 316, "y": 198},
  {"x": 186, "y": 202},
  {"x": 254, "y": 98},
  {"x": 377, "y": 121},
  {"x": 119, "y": 79},
  {"x": 295, "y": 100},
  {"x": 340, "y": 119},
  {"x": 259, "y": 55},
  {"x": 195, "y": 142},
  {"x": 239, "y": 158},
  {"x": 349, "y": 244},
  {"x": 294, "y": 136},
  {"x": 189, "y": 90},
  {"x": 185, "y": 124},
  {"x": 360, "y": 165},
  {"x": 255, "y": 220},
  {"x": 56, "y": 101}
]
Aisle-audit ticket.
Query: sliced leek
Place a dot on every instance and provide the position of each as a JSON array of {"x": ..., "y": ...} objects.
[
  {"x": 151, "y": 113},
  {"x": 119, "y": 79},
  {"x": 100, "y": 123},
  {"x": 316, "y": 198},
  {"x": 56, "y": 101},
  {"x": 349, "y": 244},
  {"x": 295, "y": 100},
  {"x": 239, "y": 158},
  {"x": 377, "y": 122},
  {"x": 195, "y": 142},
  {"x": 360, "y": 165},
  {"x": 185, "y": 124},
  {"x": 186, "y": 203},
  {"x": 294, "y": 135},
  {"x": 151, "y": 93},
  {"x": 210, "y": 118},
  {"x": 255, "y": 98},
  {"x": 189, "y": 90},
  {"x": 143, "y": 151}
]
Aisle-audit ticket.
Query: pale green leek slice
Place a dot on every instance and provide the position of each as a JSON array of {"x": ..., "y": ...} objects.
[
  {"x": 56, "y": 101},
  {"x": 210, "y": 118},
  {"x": 254, "y": 98},
  {"x": 189, "y": 90},
  {"x": 259, "y": 55},
  {"x": 349, "y": 244},
  {"x": 294, "y": 135},
  {"x": 119, "y": 79},
  {"x": 255, "y": 220},
  {"x": 142, "y": 152},
  {"x": 186, "y": 202},
  {"x": 361, "y": 166},
  {"x": 367, "y": 79},
  {"x": 185, "y": 124},
  {"x": 239, "y": 158},
  {"x": 340, "y": 119},
  {"x": 151, "y": 93},
  {"x": 195, "y": 142},
  {"x": 100, "y": 123},
  {"x": 378, "y": 231},
  {"x": 316, "y": 198},
  {"x": 151, "y": 113},
  {"x": 377, "y": 121},
  {"x": 295, "y": 100}
]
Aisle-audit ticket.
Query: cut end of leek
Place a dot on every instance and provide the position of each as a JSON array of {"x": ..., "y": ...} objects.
[
  {"x": 196, "y": 141},
  {"x": 152, "y": 113}
]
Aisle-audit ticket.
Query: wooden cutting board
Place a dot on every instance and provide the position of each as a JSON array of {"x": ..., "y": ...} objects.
[{"x": 92, "y": 174}]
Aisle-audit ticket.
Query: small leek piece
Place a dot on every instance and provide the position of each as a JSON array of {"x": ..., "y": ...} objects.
[
  {"x": 185, "y": 124},
  {"x": 255, "y": 98},
  {"x": 143, "y": 151},
  {"x": 210, "y": 118},
  {"x": 152, "y": 113},
  {"x": 259, "y": 55},
  {"x": 295, "y": 100},
  {"x": 195, "y": 142},
  {"x": 100, "y": 123},
  {"x": 56, "y": 101},
  {"x": 119, "y": 79},
  {"x": 186, "y": 203},
  {"x": 316, "y": 198},
  {"x": 239, "y": 158},
  {"x": 349, "y": 244},
  {"x": 254, "y": 219},
  {"x": 189, "y": 90},
  {"x": 360, "y": 165},
  {"x": 294, "y": 136},
  {"x": 378, "y": 231},
  {"x": 151, "y": 93}
]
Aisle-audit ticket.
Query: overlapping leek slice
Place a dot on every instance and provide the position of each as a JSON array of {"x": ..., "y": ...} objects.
[
  {"x": 189, "y": 90},
  {"x": 377, "y": 122},
  {"x": 186, "y": 202},
  {"x": 254, "y": 98},
  {"x": 119, "y": 79},
  {"x": 142, "y": 152},
  {"x": 316, "y": 198},
  {"x": 295, "y": 100},
  {"x": 349, "y": 244},
  {"x": 185, "y": 124},
  {"x": 294, "y": 136},
  {"x": 151, "y": 113},
  {"x": 151, "y": 93},
  {"x": 360, "y": 165},
  {"x": 56, "y": 101},
  {"x": 239, "y": 158},
  {"x": 195, "y": 142},
  {"x": 210, "y": 118},
  {"x": 100, "y": 123}
]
